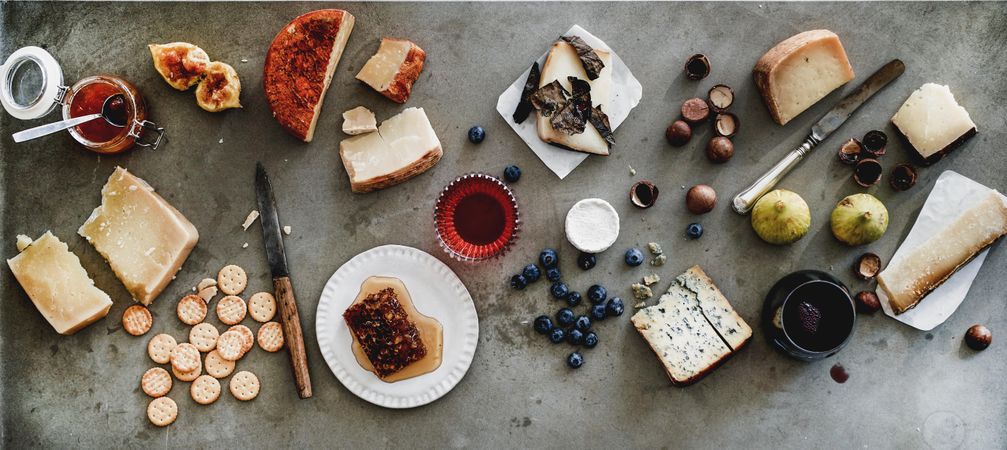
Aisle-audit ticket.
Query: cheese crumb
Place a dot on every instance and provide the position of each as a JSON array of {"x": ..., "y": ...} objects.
[
  {"x": 221, "y": 141},
  {"x": 286, "y": 229},
  {"x": 632, "y": 171},
  {"x": 246, "y": 59},
  {"x": 651, "y": 279},
  {"x": 659, "y": 260},
  {"x": 641, "y": 292},
  {"x": 245, "y": 245},
  {"x": 250, "y": 219},
  {"x": 640, "y": 305},
  {"x": 23, "y": 242},
  {"x": 655, "y": 248}
]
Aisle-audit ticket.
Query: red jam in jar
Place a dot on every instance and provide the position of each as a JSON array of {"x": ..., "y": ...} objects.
[
  {"x": 476, "y": 218},
  {"x": 90, "y": 100},
  {"x": 88, "y": 96}
]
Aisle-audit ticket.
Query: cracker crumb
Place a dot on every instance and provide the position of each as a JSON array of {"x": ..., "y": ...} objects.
[
  {"x": 651, "y": 279},
  {"x": 286, "y": 230},
  {"x": 23, "y": 242},
  {"x": 659, "y": 260},
  {"x": 245, "y": 245},
  {"x": 250, "y": 219},
  {"x": 632, "y": 171},
  {"x": 244, "y": 60},
  {"x": 221, "y": 141},
  {"x": 641, "y": 292}
]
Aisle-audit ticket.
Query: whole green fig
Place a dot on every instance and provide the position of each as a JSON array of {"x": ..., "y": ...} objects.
[
  {"x": 859, "y": 219},
  {"x": 781, "y": 217}
]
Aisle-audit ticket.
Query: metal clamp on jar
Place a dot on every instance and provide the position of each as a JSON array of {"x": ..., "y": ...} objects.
[{"x": 104, "y": 113}]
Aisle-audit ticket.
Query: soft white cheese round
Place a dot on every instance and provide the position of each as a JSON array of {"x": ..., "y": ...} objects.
[{"x": 592, "y": 225}]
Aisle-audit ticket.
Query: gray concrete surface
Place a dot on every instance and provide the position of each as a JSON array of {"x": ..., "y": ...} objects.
[{"x": 907, "y": 389}]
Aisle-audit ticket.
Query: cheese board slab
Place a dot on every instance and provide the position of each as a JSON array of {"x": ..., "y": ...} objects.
[{"x": 906, "y": 389}]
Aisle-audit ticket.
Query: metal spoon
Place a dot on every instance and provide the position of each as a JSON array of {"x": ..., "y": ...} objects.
[{"x": 106, "y": 113}]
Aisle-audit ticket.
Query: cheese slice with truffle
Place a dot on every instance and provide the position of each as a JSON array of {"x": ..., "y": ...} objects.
[
  {"x": 800, "y": 71},
  {"x": 933, "y": 122},
  {"x": 144, "y": 239},
  {"x": 562, "y": 62},
  {"x": 404, "y": 146},
  {"x": 910, "y": 279},
  {"x": 58, "y": 285}
]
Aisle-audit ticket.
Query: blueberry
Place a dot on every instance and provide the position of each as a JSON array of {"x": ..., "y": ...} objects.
[
  {"x": 597, "y": 293},
  {"x": 548, "y": 258},
  {"x": 531, "y": 273},
  {"x": 518, "y": 282},
  {"x": 575, "y": 337},
  {"x": 583, "y": 323},
  {"x": 543, "y": 324},
  {"x": 512, "y": 173},
  {"x": 598, "y": 312},
  {"x": 564, "y": 317},
  {"x": 614, "y": 307},
  {"x": 476, "y": 134},
  {"x": 575, "y": 360},
  {"x": 590, "y": 339},
  {"x": 694, "y": 230},
  {"x": 634, "y": 257},
  {"x": 573, "y": 299},
  {"x": 586, "y": 260},
  {"x": 557, "y": 335},
  {"x": 559, "y": 290},
  {"x": 552, "y": 274}
]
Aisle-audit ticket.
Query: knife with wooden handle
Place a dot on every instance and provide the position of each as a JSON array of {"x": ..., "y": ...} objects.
[{"x": 277, "y": 258}]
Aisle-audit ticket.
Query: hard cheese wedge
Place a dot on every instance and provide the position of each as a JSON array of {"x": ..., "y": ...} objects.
[
  {"x": 394, "y": 68},
  {"x": 404, "y": 146},
  {"x": 800, "y": 71},
  {"x": 144, "y": 239},
  {"x": 910, "y": 279},
  {"x": 933, "y": 122},
  {"x": 562, "y": 62},
  {"x": 58, "y": 285}
]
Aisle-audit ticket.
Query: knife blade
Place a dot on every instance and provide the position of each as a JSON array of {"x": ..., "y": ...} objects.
[
  {"x": 829, "y": 123},
  {"x": 283, "y": 289}
]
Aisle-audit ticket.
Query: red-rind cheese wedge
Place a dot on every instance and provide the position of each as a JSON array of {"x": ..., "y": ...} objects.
[{"x": 299, "y": 67}]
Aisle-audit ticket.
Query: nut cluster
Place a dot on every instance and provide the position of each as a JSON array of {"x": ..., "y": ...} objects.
[{"x": 864, "y": 155}]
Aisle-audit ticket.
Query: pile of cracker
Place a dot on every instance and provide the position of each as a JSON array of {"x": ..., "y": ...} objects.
[{"x": 222, "y": 350}]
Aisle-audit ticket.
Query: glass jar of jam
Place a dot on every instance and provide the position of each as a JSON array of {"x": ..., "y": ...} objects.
[{"x": 31, "y": 86}]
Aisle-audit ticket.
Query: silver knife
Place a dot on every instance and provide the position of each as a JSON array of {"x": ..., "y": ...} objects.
[
  {"x": 290, "y": 320},
  {"x": 829, "y": 123}
]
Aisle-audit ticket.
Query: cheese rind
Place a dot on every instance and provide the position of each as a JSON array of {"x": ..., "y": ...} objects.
[
  {"x": 394, "y": 68},
  {"x": 933, "y": 122},
  {"x": 58, "y": 285},
  {"x": 404, "y": 146},
  {"x": 910, "y": 279},
  {"x": 800, "y": 71},
  {"x": 144, "y": 239},
  {"x": 563, "y": 62}
]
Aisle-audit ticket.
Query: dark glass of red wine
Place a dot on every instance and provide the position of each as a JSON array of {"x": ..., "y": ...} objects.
[{"x": 809, "y": 315}]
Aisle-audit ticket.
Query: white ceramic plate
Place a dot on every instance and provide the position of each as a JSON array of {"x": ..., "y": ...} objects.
[{"x": 436, "y": 292}]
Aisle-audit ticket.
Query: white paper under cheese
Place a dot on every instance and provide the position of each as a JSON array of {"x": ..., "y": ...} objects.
[
  {"x": 58, "y": 285},
  {"x": 380, "y": 69},
  {"x": 931, "y": 119},
  {"x": 562, "y": 63},
  {"x": 399, "y": 142},
  {"x": 144, "y": 239}
]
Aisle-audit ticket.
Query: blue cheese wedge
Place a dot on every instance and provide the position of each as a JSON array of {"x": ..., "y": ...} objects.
[{"x": 692, "y": 329}]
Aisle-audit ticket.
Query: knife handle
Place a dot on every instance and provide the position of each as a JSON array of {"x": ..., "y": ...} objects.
[
  {"x": 745, "y": 200},
  {"x": 294, "y": 339}
]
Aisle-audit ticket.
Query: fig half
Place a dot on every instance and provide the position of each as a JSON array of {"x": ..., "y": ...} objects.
[
  {"x": 219, "y": 89},
  {"x": 181, "y": 64}
]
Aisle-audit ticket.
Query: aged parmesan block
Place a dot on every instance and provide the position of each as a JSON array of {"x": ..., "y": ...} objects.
[
  {"x": 404, "y": 146},
  {"x": 58, "y": 285},
  {"x": 933, "y": 122},
  {"x": 910, "y": 279},
  {"x": 800, "y": 71},
  {"x": 562, "y": 62},
  {"x": 144, "y": 239},
  {"x": 394, "y": 68}
]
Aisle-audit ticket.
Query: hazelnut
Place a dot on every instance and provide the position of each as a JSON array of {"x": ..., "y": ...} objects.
[
  {"x": 643, "y": 194},
  {"x": 867, "y": 302},
  {"x": 719, "y": 149},
  {"x": 695, "y": 110},
  {"x": 721, "y": 97},
  {"x": 726, "y": 125},
  {"x": 678, "y": 133},
  {"x": 875, "y": 142},
  {"x": 867, "y": 266},
  {"x": 903, "y": 177},
  {"x": 697, "y": 67},
  {"x": 700, "y": 199},
  {"x": 867, "y": 172},
  {"x": 849, "y": 152},
  {"x": 978, "y": 337}
]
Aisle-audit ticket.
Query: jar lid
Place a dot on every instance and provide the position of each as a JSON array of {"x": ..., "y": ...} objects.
[{"x": 31, "y": 83}]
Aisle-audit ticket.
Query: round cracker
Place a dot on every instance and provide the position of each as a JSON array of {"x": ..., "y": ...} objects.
[
  {"x": 231, "y": 310},
  {"x": 232, "y": 280},
  {"x": 185, "y": 357},
  {"x": 217, "y": 366},
  {"x": 205, "y": 390},
  {"x": 159, "y": 348},
  {"x": 156, "y": 382},
  {"x": 262, "y": 307},
  {"x": 248, "y": 339},
  {"x": 204, "y": 337},
  {"x": 244, "y": 385},
  {"x": 188, "y": 376},
  {"x": 229, "y": 345},
  {"x": 162, "y": 411},
  {"x": 136, "y": 320},
  {"x": 270, "y": 337},
  {"x": 191, "y": 309}
]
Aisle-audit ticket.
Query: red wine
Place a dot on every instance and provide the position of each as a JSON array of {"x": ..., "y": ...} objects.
[
  {"x": 476, "y": 217},
  {"x": 479, "y": 219},
  {"x": 817, "y": 316}
]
